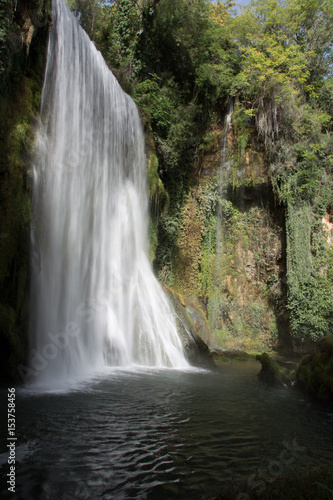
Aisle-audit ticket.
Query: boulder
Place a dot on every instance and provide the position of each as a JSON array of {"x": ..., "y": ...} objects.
[{"x": 271, "y": 372}]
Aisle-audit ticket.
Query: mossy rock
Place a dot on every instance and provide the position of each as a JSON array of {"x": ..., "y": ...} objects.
[
  {"x": 196, "y": 350},
  {"x": 314, "y": 373},
  {"x": 306, "y": 359},
  {"x": 271, "y": 372}
]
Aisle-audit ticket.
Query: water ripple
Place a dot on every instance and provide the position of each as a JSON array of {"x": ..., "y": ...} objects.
[{"x": 158, "y": 437}]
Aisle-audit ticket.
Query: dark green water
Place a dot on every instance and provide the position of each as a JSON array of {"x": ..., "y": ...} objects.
[{"x": 158, "y": 434}]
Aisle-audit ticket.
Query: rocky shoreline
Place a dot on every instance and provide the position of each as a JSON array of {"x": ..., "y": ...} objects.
[{"x": 311, "y": 373}]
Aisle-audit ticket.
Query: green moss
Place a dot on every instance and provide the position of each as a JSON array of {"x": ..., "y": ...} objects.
[
  {"x": 190, "y": 331},
  {"x": 157, "y": 193},
  {"x": 271, "y": 372}
]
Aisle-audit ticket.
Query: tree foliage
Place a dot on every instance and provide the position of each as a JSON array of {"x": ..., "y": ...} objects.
[{"x": 286, "y": 71}]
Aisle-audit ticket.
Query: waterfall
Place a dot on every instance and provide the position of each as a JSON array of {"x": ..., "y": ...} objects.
[
  {"x": 95, "y": 299},
  {"x": 223, "y": 175},
  {"x": 225, "y": 164},
  {"x": 216, "y": 302}
]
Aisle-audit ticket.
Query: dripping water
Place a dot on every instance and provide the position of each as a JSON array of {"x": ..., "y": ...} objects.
[{"x": 216, "y": 306}]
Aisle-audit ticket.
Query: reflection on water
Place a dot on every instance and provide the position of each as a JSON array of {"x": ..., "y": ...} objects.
[{"x": 158, "y": 434}]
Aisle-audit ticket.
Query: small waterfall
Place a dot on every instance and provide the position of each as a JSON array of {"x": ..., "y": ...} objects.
[
  {"x": 225, "y": 165},
  {"x": 224, "y": 172},
  {"x": 95, "y": 300},
  {"x": 215, "y": 307}
]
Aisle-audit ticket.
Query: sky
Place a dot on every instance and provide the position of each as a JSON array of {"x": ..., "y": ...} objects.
[
  {"x": 239, "y": 4},
  {"x": 242, "y": 2}
]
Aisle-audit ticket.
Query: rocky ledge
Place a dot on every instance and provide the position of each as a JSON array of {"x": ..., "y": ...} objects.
[{"x": 191, "y": 326}]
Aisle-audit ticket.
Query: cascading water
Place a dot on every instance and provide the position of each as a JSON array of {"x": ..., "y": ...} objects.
[
  {"x": 225, "y": 164},
  {"x": 224, "y": 171},
  {"x": 216, "y": 302},
  {"x": 96, "y": 301}
]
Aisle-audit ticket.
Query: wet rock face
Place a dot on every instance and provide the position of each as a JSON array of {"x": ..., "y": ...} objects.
[
  {"x": 315, "y": 372},
  {"x": 23, "y": 54},
  {"x": 191, "y": 328}
]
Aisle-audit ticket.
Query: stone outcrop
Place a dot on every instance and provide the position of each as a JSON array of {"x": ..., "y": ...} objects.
[
  {"x": 191, "y": 327},
  {"x": 272, "y": 373}
]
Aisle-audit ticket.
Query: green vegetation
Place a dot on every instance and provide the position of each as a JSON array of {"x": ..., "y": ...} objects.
[
  {"x": 245, "y": 233},
  {"x": 247, "y": 243},
  {"x": 286, "y": 69}
]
